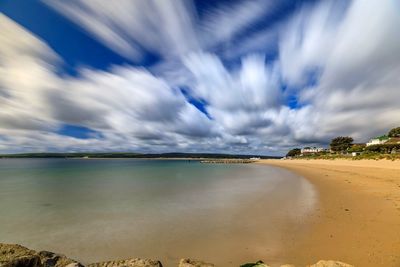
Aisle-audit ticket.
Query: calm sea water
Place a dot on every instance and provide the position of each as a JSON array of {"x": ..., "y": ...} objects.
[{"x": 104, "y": 209}]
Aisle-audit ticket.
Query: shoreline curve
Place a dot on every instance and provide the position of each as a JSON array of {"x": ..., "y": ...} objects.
[{"x": 358, "y": 220}]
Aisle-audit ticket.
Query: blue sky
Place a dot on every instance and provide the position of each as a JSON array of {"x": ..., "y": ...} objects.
[{"x": 256, "y": 76}]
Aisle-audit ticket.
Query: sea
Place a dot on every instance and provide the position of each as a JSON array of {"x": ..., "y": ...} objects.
[{"x": 105, "y": 209}]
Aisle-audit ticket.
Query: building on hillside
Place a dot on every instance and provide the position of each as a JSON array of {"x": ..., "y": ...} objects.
[
  {"x": 312, "y": 150},
  {"x": 380, "y": 140}
]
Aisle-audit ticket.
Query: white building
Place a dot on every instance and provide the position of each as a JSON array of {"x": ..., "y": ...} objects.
[
  {"x": 378, "y": 140},
  {"x": 306, "y": 150}
]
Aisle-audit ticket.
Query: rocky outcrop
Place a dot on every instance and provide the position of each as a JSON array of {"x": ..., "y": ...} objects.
[
  {"x": 256, "y": 264},
  {"x": 16, "y": 255},
  {"x": 12, "y": 255},
  {"x": 194, "y": 263},
  {"x": 136, "y": 262},
  {"x": 50, "y": 259},
  {"x": 331, "y": 264}
]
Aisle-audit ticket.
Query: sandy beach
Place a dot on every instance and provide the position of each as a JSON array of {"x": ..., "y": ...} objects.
[{"x": 358, "y": 217}]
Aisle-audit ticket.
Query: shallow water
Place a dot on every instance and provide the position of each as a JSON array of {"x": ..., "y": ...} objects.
[{"x": 94, "y": 210}]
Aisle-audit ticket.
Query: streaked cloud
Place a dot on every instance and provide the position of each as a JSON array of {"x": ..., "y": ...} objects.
[
  {"x": 221, "y": 25},
  {"x": 340, "y": 69},
  {"x": 132, "y": 27}
]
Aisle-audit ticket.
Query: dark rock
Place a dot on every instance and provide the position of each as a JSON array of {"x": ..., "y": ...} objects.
[
  {"x": 50, "y": 259},
  {"x": 256, "y": 264},
  {"x": 12, "y": 255}
]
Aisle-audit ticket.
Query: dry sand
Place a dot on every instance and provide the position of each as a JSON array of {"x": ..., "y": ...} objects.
[{"x": 358, "y": 217}]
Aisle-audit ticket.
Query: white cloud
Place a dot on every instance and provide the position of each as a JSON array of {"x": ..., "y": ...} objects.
[
  {"x": 236, "y": 100},
  {"x": 26, "y": 74},
  {"x": 167, "y": 28},
  {"x": 133, "y": 101},
  {"x": 125, "y": 102},
  {"x": 307, "y": 39},
  {"x": 131, "y": 27},
  {"x": 220, "y": 25},
  {"x": 358, "y": 88}
]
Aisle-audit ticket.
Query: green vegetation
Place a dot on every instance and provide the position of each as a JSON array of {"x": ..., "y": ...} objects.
[
  {"x": 294, "y": 152},
  {"x": 341, "y": 144},
  {"x": 364, "y": 155},
  {"x": 376, "y": 156},
  {"x": 356, "y": 148},
  {"x": 382, "y": 137},
  {"x": 395, "y": 132},
  {"x": 384, "y": 148},
  {"x": 343, "y": 147}
]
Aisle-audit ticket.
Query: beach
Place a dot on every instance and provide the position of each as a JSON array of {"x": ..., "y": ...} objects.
[{"x": 358, "y": 216}]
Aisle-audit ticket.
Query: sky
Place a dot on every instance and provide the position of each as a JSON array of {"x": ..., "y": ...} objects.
[{"x": 248, "y": 77}]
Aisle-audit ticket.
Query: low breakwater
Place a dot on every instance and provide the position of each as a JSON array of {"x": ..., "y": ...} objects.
[{"x": 13, "y": 255}]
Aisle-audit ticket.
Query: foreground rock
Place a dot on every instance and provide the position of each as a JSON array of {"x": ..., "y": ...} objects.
[
  {"x": 257, "y": 264},
  {"x": 12, "y": 255},
  {"x": 136, "y": 262},
  {"x": 194, "y": 263},
  {"x": 331, "y": 264}
]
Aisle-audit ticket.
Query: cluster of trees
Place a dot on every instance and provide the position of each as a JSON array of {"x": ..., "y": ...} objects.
[
  {"x": 293, "y": 152},
  {"x": 341, "y": 144},
  {"x": 356, "y": 148},
  {"x": 395, "y": 132}
]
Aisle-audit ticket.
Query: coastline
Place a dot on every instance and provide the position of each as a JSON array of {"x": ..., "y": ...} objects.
[{"x": 358, "y": 218}]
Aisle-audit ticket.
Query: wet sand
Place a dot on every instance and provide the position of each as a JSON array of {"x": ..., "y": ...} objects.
[{"x": 358, "y": 217}]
